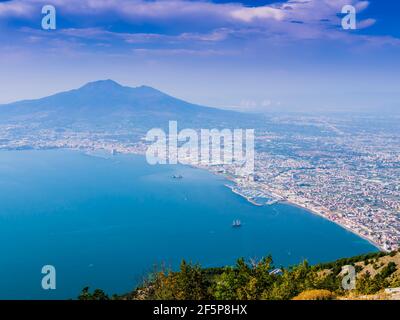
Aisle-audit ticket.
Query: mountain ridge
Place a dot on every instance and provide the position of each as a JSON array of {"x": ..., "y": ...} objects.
[{"x": 108, "y": 101}]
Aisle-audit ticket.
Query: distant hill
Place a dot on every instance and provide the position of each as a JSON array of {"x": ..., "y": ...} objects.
[{"x": 108, "y": 103}]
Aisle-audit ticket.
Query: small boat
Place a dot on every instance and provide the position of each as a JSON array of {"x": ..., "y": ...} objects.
[{"x": 236, "y": 223}]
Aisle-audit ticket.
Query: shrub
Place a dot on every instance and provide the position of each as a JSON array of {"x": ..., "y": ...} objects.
[{"x": 315, "y": 295}]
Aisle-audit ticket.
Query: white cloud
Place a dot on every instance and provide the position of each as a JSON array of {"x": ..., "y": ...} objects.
[
  {"x": 281, "y": 22},
  {"x": 365, "y": 23},
  {"x": 265, "y": 12},
  {"x": 16, "y": 9}
]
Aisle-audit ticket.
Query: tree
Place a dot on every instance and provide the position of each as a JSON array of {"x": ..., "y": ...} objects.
[{"x": 97, "y": 294}]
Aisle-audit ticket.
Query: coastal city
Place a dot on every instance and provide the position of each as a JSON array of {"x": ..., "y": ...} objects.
[
  {"x": 349, "y": 176},
  {"x": 352, "y": 180},
  {"x": 217, "y": 152}
]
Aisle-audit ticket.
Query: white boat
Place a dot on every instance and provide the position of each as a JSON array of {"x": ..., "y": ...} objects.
[{"x": 236, "y": 223}]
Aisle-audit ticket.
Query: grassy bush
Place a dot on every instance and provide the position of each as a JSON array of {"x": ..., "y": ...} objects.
[{"x": 315, "y": 295}]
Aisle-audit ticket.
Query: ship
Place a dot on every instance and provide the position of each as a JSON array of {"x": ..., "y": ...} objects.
[{"x": 236, "y": 223}]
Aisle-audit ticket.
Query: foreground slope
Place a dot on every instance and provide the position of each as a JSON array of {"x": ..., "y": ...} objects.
[{"x": 375, "y": 273}]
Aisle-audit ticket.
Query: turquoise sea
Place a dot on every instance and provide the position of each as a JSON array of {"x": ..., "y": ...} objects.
[{"x": 107, "y": 222}]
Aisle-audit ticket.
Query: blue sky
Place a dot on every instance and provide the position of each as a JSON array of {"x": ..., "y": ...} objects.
[{"x": 252, "y": 55}]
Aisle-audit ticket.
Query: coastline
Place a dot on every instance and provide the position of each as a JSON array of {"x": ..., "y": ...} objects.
[
  {"x": 278, "y": 197},
  {"x": 371, "y": 241},
  {"x": 290, "y": 235},
  {"x": 286, "y": 201}
]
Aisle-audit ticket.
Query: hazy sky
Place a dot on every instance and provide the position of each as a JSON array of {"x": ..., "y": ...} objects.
[{"x": 253, "y": 55}]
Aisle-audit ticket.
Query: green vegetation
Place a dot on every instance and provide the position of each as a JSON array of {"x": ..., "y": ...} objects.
[
  {"x": 370, "y": 285},
  {"x": 96, "y": 295},
  {"x": 249, "y": 280}
]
